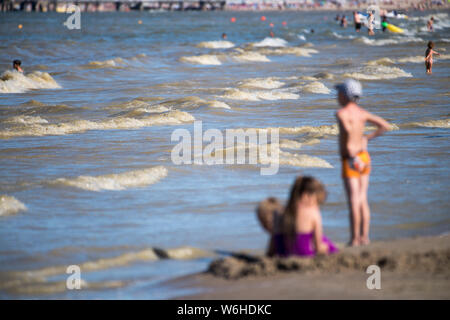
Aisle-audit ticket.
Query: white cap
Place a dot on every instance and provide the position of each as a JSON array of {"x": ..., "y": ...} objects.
[{"x": 350, "y": 88}]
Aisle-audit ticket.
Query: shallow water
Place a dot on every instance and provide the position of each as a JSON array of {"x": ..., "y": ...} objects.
[{"x": 86, "y": 174}]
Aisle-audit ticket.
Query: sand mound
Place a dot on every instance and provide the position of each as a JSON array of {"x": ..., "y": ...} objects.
[{"x": 430, "y": 260}]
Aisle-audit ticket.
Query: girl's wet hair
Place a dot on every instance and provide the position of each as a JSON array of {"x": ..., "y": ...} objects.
[
  {"x": 302, "y": 185},
  {"x": 430, "y": 44}
]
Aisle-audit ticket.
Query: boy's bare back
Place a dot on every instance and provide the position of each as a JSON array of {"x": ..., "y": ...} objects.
[{"x": 352, "y": 120}]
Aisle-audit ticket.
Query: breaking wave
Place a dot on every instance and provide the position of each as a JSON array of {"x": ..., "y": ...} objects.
[
  {"x": 381, "y": 62},
  {"x": 248, "y": 56},
  {"x": 261, "y": 83},
  {"x": 378, "y": 72},
  {"x": 110, "y": 63},
  {"x": 300, "y": 52},
  {"x": 316, "y": 87},
  {"x": 383, "y": 42},
  {"x": 120, "y": 181},
  {"x": 16, "y": 82},
  {"x": 271, "y": 42},
  {"x": 236, "y": 94},
  {"x": 216, "y": 44},
  {"x": 204, "y": 59},
  {"x": 77, "y": 126},
  {"x": 430, "y": 124},
  {"x": 10, "y": 205}
]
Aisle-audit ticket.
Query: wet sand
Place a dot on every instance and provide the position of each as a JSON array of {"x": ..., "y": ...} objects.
[{"x": 415, "y": 268}]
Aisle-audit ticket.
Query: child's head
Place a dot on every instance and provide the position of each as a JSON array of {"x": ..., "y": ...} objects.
[
  {"x": 16, "y": 63},
  {"x": 309, "y": 189},
  {"x": 266, "y": 211},
  {"x": 306, "y": 190},
  {"x": 430, "y": 44}
]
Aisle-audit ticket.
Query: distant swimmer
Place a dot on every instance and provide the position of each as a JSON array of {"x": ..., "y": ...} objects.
[
  {"x": 344, "y": 21},
  {"x": 357, "y": 21},
  {"x": 370, "y": 23},
  {"x": 430, "y": 24},
  {"x": 356, "y": 164},
  {"x": 312, "y": 30},
  {"x": 16, "y": 65},
  {"x": 272, "y": 34},
  {"x": 338, "y": 18},
  {"x": 224, "y": 36},
  {"x": 429, "y": 57}
]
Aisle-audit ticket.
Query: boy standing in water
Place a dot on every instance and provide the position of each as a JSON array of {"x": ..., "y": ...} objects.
[
  {"x": 16, "y": 65},
  {"x": 429, "y": 57},
  {"x": 355, "y": 158}
]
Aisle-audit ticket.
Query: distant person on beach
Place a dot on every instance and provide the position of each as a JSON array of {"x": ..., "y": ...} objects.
[
  {"x": 429, "y": 57},
  {"x": 272, "y": 34},
  {"x": 269, "y": 214},
  {"x": 355, "y": 159},
  {"x": 17, "y": 66},
  {"x": 224, "y": 36},
  {"x": 300, "y": 231},
  {"x": 344, "y": 21},
  {"x": 357, "y": 21},
  {"x": 430, "y": 24},
  {"x": 370, "y": 23}
]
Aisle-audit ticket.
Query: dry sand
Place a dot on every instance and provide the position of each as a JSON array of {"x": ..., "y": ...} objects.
[{"x": 416, "y": 268}]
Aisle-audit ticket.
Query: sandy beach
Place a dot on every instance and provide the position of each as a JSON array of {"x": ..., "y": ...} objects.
[{"x": 414, "y": 268}]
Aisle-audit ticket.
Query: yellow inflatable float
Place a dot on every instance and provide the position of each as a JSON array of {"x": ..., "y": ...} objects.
[{"x": 392, "y": 28}]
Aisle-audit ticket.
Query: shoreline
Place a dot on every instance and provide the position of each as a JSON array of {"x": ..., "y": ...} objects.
[{"x": 411, "y": 268}]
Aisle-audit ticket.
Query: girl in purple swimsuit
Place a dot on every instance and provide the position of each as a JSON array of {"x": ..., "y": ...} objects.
[{"x": 300, "y": 229}]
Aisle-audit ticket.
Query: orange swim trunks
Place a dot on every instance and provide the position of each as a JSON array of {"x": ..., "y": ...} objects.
[{"x": 356, "y": 166}]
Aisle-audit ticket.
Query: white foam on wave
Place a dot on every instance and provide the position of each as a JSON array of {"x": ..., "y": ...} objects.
[
  {"x": 77, "y": 126},
  {"x": 110, "y": 63},
  {"x": 261, "y": 83},
  {"x": 10, "y": 205},
  {"x": 218, "y": 104},
  {"x": 205, "y": 59},
  {"x": 24, "y": 120},
  {"x": 216, "y": 44},
  {"x": 316, "y": 87},
  {"x": 290, "y": 144},
  {"x": 381, "y": 62},
  {"x": 302, "y": 160},
  {"x": 284, "y": 158},
  {"x": 17, "y": 82},
  {"x": 339, "y": 36},
  {"x": 271, "y": 42},
  {"x": 248, "y": 56},
  {"x": 378, "y": 72},
  {"x": 296, "y": 51},
  {"x": 236, "y": 94},
  {"x": 120, "y": 181},
  {"x": 414, "y": 59},
  {"x": 445, "y": 123},
  {"x": 383, "y": 42}
]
